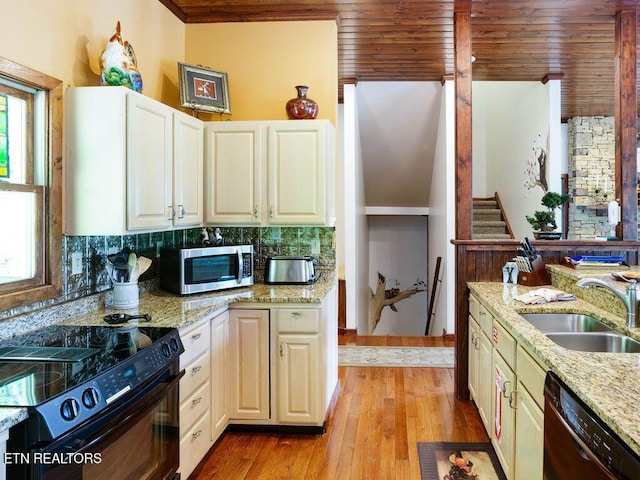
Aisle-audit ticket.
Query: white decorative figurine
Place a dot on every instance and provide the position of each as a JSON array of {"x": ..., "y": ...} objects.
[{"x": 119, "y": 65}]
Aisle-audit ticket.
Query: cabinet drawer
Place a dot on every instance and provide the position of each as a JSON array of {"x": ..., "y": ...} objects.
[
  {"x": 193, "y": 407},
  {"x": 295, "y": 320},
  {"x": 531, "y": 375},
  {"x": 504, "y": 343},
  {"x": 194, "y": 375},
  {"x": 485, "y": 320},
  {"x": 474, "y": 307},
  {"x": 195, "y": 341},
  {"x": 195, "y": 445}
]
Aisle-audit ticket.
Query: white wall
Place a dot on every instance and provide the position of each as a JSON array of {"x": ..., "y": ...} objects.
[
  {"x": 340, "y": 191},
  {"x": 356, "y": 241},
  {"x": 398, "y": 250},
  {"x": 442, "y": 216},
  {"x": 508, "y": 117},
  {"x": 398, "y": 125}
]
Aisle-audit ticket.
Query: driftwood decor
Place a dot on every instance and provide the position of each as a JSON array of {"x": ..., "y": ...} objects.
[{"x": 384, "y": 297}]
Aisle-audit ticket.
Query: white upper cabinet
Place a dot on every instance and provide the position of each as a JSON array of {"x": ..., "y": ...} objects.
[
  {"x": 234, "y": 156},
  {"x": 132, "y": 163},
  {"x": 148, "y": 163},
  {"x": 296, "y": 188},
  {"x": 298, "y": 172},
  {"x": 188, "y": 180}
]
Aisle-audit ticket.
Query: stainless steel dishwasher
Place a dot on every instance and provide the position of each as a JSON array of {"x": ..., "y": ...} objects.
[{"x": 577, "y": 444}]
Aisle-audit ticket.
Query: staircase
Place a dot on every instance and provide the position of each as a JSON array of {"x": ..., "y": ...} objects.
[{"x": 489, "y": 220}]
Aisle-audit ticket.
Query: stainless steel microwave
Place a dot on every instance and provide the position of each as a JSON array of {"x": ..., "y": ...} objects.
[{"x": 204, "y": 269}]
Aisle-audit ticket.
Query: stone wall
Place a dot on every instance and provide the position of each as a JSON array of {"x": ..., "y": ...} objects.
[{"x": 591, "y": 165}]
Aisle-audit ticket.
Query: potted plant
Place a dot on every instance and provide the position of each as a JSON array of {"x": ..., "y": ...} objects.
[{"x": 544, "y": 221}]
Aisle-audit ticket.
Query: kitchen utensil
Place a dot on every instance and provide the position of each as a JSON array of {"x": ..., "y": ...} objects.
[
  {"x": 134, "y": 273},
  {"x": 116, "y": 318},
  {"x": 110, "y": 271},
  {"x": 143, "y": 265},
  {"x": 132, "y": 261},
  {"x": 532, "y": 253}
]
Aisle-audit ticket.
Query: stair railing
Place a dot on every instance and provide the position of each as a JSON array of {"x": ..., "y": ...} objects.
[{"x": 504, "y": 216}]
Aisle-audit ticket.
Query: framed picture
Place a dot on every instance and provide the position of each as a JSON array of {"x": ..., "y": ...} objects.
[{"x": 203, "y": 89}]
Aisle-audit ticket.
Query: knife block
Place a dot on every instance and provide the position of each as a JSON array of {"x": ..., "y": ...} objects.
[{"x": 538, "y": 277}]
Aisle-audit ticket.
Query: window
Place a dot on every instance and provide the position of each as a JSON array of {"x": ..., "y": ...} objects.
[{"x": 30, "y": 186}]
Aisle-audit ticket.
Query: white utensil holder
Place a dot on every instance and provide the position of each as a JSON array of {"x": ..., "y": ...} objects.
[{"x": 125, "y": 295}]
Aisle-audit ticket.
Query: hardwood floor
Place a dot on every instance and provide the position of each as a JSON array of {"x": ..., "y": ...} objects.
[{"x": 372, "y": 433}]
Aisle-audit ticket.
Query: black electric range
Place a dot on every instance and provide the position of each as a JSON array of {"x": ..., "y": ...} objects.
[{"x": 69, "y": 374}]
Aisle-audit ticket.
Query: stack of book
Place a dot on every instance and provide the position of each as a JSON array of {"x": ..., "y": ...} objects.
[{"x": 595, "y": 261}]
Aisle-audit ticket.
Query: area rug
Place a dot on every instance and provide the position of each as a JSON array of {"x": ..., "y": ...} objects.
[
  {"x": 356, "y": 356},
  {"x": 458, "y": 461}
]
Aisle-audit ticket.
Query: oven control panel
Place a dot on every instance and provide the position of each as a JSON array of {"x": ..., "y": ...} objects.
[{"x": 64, "y": 412}]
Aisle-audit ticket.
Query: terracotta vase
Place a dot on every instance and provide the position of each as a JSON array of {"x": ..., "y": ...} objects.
[{"x": 302, "y": 107}]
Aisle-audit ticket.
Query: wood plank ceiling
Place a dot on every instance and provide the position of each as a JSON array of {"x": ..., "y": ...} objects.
[{"x": 512, "y": 40}]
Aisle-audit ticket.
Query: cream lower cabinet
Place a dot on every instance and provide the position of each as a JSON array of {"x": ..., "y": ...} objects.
[
  {"x": 504, "y": 415},
  {"x": 307, "y": 370},
  {"x": 507, "y": 385},
  {"x": 269, "y": 173},
  {"x": 480, "y": 353},
  {"x": 249, "y": 346},
  {"x": 195, "y": 396},
  {"x": 219, "y": 374},
  {"x": 299, "y": 377},
  {"x": 529, "y": 447}
]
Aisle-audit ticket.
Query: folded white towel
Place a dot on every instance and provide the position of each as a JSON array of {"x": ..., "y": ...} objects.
[
  {"x": 544, "y": 295},
  {"x": 613, "y": 213}
]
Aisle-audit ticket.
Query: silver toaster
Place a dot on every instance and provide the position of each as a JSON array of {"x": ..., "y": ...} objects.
[{"x": 288, "y": 270}]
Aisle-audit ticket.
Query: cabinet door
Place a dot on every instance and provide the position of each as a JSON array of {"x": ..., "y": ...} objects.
[
  {"x": 149, "y": 164},
  {"x": 529, "y": 449},
  {"x": 299, "y": 389},
  {"x": 188, "y": 182},
  {"x": 219, "y": 372},
  {"x": 233, "y": 172},
  {"x": 296, "y": 178},
  {"x": 474, "y": 357},
  {"x": 485, "y": 380},
  {"x": 249, "y": 364},
  {"x": 504, "y": 414}
]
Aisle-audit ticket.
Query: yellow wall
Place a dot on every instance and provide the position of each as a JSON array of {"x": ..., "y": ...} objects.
[
  {"x": 65, "y": 38},
  {"x": 264, "y": 62}
]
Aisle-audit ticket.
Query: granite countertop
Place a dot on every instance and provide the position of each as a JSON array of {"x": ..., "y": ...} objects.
[
  {"x": 608, "y": 382},
  {"x": 170, "y": 310}
]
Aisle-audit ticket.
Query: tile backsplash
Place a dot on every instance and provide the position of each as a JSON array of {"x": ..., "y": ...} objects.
[{"x": 267, "y": 241}]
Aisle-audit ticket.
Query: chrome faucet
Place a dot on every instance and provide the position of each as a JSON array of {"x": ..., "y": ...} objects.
[{"x": 631, "y": 299}]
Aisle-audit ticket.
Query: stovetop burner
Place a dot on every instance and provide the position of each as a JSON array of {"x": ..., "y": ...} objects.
[
  {"x": 38, "y": 366},
  {"x": 95, "y": 368}
]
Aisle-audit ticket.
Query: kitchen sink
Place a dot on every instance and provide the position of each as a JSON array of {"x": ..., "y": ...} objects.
[
  {"x": 595, "y": 342},
  {"x": 576, "y": 331},
  {"x": 565, "y": 322}
]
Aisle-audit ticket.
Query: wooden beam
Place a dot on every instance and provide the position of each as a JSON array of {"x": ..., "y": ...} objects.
[
  {"x": 464, "y": 205},
  {"x": 462, "y": 47},
  {"x": 626, "y": 123}
]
